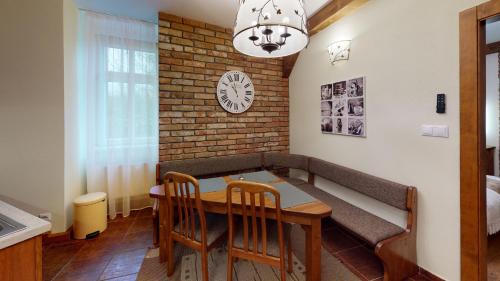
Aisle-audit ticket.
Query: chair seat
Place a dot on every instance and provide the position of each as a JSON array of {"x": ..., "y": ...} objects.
[
  {"x": 273, "y": 248},
  {"x": 366, "y": 225},
  {"x": 216, "y": 226}
]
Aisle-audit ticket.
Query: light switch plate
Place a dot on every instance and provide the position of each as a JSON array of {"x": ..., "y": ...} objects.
[
  {"x": 441, "y": 131},
  {"x": 427, "y": 130}
]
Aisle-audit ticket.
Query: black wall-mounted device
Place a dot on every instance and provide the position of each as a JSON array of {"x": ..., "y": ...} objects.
[{"x": 441, "y": 103}]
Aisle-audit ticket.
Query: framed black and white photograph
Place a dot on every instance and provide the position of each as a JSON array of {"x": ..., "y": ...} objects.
[
  {"x": 356, "y": 127},
  {"x": 339, "y": 107},
  {"x": 339, "y": 88},
  {"x": 356, "y": 107},
  {"x": 355, "y": 87},
  {"x": 340, "y": 126},
  {"x": 326, "y": 108},
  {"x": 343, "y": 107},
  {"x": 326, "y": 92},
  {"x": 326, "y": 125}
]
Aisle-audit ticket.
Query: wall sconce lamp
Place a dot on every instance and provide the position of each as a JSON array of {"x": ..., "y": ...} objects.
[{"x": 339, "y": 50}]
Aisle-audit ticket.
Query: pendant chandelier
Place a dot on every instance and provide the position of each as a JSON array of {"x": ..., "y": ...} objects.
[{"x": 270, "y": 28}]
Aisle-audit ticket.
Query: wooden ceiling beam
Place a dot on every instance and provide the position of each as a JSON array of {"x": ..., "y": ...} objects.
[{"x": 330, "y": 13}]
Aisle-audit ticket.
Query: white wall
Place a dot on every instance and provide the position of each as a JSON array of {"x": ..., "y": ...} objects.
[
  {"x": 492, "y": 105},
  {"x": 37, "y": 81},
  {"x": 74, "y": 183},
  {"x": 408, "y": 51},
  {"x": 32, "y": 104}
]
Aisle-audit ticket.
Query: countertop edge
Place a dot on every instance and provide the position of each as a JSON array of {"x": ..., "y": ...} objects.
[{"x": 34, "y": 225}]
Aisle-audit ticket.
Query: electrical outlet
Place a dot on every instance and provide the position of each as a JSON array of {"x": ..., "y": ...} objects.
[{"x": 46, "y": 216}]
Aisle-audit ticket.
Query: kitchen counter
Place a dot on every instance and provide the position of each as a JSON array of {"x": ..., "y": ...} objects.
[{"x": 34, "y": 225}]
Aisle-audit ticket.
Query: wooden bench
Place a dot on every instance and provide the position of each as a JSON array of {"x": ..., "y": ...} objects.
[{"x": 394, "y": 245}]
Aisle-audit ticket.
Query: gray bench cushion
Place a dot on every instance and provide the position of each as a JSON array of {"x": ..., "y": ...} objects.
[
  {"x": 208, "y": 166},
  {"x": 280, "y": 159},
  {"x": 294, "y": 181},
  {"x": 369, "y": 227},
  {"x": 383, "y": 190}
]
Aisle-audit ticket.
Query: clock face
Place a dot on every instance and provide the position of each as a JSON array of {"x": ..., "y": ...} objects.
[{"x": 235, "y": 92}]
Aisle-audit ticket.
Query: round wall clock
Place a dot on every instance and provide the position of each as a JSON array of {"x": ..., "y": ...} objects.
[{"x": 235, "y": 92}]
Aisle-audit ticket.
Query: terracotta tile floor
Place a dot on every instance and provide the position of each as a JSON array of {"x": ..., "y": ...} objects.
[{"x": 118, "y": 252}]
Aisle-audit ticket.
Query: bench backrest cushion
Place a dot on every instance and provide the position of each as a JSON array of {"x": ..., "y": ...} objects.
[
  {"x": 208, "y": 166},
  {"x": 286, "y": 160},
  {"x": 389, "y": 192}
]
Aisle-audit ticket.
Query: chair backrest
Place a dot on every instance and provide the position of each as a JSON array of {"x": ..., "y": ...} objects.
[
  {"x": 183, "y": 192},
  {"x": 252, "y": 197}
]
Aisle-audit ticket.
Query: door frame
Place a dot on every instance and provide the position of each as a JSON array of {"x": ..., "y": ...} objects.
[{"x": 473, "y": 238}]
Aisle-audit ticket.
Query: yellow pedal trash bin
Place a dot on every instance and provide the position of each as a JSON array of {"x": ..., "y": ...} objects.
[{"x": 90, "y": 216}]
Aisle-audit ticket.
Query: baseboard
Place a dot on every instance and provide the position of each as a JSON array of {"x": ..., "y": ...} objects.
[
  {"x": 429, "y": 275},
  {"x": 58, "y": 237},
  {"x": 137, "y": 202}
]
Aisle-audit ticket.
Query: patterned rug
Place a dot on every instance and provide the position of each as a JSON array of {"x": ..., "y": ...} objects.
[{"x": 188, "y": 266}]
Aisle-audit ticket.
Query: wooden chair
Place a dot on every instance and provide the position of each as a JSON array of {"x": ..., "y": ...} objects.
[
  {"x": 194, "y": 229},
  {"x": 260, "y": 250}
]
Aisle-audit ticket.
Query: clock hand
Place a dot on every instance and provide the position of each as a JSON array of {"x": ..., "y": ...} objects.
[{"x": 235, "y": 91}]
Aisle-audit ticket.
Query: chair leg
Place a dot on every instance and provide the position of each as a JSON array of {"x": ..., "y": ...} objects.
[
  {"x": 282, "y": 258},
  {"x": 156, "y": 229},
  {"x": 290, "y": 256},
  {"x": 204, "y": 264},
  {"x": 229, "y": 266},
  {"x": 283, "y": 269},
  {"x": 170, "y": 256},
  {"x": 289, "y": 250}
]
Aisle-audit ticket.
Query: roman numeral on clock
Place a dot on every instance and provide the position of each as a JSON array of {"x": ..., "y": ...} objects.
[
  {"x": 236, "y": 77},
  {"x": 230, "y": 78},
  {"x": 236, "y": 106},
  {"x": 247, "y": 85},
  {"x": 248, "y": 93}
]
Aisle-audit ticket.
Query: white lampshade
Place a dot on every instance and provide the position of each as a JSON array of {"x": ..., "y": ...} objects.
[{"x": 270, "y": 28}]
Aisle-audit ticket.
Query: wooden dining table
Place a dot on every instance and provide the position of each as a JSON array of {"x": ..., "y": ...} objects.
[{"x": 297, "y": 206}]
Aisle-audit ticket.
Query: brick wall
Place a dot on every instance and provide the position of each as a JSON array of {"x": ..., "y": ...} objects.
[{"x": 193, "y": 56}]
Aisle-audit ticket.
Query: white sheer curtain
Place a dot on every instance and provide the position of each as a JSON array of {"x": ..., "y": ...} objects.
[{"x": 118, "y": 84}]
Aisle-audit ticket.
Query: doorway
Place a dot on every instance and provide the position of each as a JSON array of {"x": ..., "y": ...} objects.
[
  {"x": 492, "y": 75},
  {"x": 473, "y": 156}
]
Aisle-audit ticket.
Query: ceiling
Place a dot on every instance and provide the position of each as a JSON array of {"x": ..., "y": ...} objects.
[{"x": 218, "y": 12}]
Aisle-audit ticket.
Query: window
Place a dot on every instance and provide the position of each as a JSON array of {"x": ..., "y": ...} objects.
[
  {"x": 118, "y": 107},
  {"x": 130, "y": 96}
]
